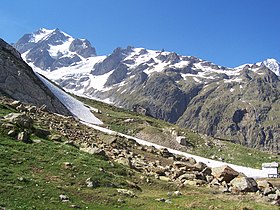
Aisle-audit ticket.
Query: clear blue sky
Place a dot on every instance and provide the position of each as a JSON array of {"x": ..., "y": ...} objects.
[{"x": 226, "y": 32}]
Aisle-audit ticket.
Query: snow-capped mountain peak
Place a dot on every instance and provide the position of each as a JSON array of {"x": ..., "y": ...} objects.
[
  {"x": 273, "y": 65},
  {"x": 41, "y": 34},
  {"x": 52, "y": 49}
]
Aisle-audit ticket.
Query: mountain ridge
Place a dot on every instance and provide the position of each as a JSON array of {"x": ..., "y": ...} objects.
[{"x": 233, "y": 103}]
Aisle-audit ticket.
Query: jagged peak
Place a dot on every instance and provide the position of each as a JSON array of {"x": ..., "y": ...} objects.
[
  {"x": 43, "y": 34},
  {"x": 273, "y": 65}
]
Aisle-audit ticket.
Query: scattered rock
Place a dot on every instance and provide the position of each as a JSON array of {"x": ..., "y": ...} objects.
[
  {"x": 12, "y": 133},
  {"x": 75, "y": 206},
  {"x": 133, "y": 185},
  {"x": 55, "y": 137},
  {"x": 20, "y": 119},
  {"x": 24, "y": 137},
  {"x": 277, "y": 203},
  {"x": 160, "y": 199},
  {"x": 92, "y": 183},
  {"x": 268, "y": 190},
  {"x": 124, "y": 161},
  {"x": 15, "y": 104},
  {"x": 176, "y": 193},
  {"x": 121, "y": 200},
  {"x": 63, "y": 198},
  {"x": 67, "y": 165},
  {"x": 188, "y": 176},
  {"x": 263, "y": 184},
  {"x": 224, "y": 173},
  {"x": 71, "y": 143},
  {"x": 32, "y": 109},
  {"x": 37, "y": 141},
  {"x": 164, "y": 178},
  {"x": 94, "y": 150},
  {"x": 125, "y": 192},
  {"x": 128, "y": 120},
  {"x": 244, "y": 184},
  {"x": 42, "y": 133},
  {"x": 165, "y": 153},
  {"x": 273, "y": 197},
  {"x": 194, "y": 182}
]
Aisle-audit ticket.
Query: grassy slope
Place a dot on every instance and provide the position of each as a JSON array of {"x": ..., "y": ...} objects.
[
  {"x": 34, "y": 175},
  {"x": 114, "y": 117}
]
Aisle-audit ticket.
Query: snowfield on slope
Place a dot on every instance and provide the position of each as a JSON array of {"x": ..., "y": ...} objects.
[
  {"x": 76, "y": 107},
  {"x": 249, "y": 172}
]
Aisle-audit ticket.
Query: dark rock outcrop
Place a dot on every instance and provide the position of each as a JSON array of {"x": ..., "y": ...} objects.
[{"x": 18, "y": 81}]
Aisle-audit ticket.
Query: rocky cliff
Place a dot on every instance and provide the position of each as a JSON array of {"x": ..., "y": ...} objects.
[{"x": 18, "y": 81}]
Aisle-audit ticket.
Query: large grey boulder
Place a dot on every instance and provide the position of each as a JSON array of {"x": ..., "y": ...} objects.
[
  {"x": 244, "y": 184},
  {"x": 224, "y": 173}
]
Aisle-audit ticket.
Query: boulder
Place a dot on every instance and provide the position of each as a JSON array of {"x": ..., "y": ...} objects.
[
  {"x": 67, "y": 165},
  {"x": 124, "y": 161},
  {"x": 92, "y": 183},
  {"x": 200, "y": 166},
  {"x": 165, "y": 153},
  {"x": 268, "y": 190},
  {"x": 125, "y": 192},
  {"x": 244, "y": 184},
  {"x": 32, "y": 109},
  {"x": 42, "y": 133},
  {"x": 194, "y": 182},
  {"x": 12, "y": 133},
  {"x": 273, "y": 197},
  {"x": 190, "y": 160},
  {"x": 63, "y": 198},
  {"x": 15, "y": 104},
  {"x": 187, "y": 176},
  {"x": 263, "y": 184},
  {"x": 24, "y": 137},
  {"x": 224, "y": 173},
  {"x": 94, "y": 150},
  {"x": 179, "y": 164},
  {"x": 55, "y": 137}
]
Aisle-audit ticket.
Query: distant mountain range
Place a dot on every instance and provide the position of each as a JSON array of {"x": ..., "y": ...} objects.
[{"x": 239, "y": 104}]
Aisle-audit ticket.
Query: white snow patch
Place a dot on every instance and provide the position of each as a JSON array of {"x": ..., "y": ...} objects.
[
  {"x": 76, "y": 107},
  {"x": 63, "y": 49},
  {"x": 233, "y": 80},
  {"x": 98, "y": 82},
  {"x": 231, "y": 89},
  {"x": 273, "y": 65},
  {"x": 41, "y": 35},
  {"x": 181, "y": 64}
]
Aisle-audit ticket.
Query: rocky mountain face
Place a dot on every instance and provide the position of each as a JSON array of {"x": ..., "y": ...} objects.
[
  {"x": 238, "y": 104},
  {"x": 53, "y": 49},
  {"x": 18, "y": 81}
]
